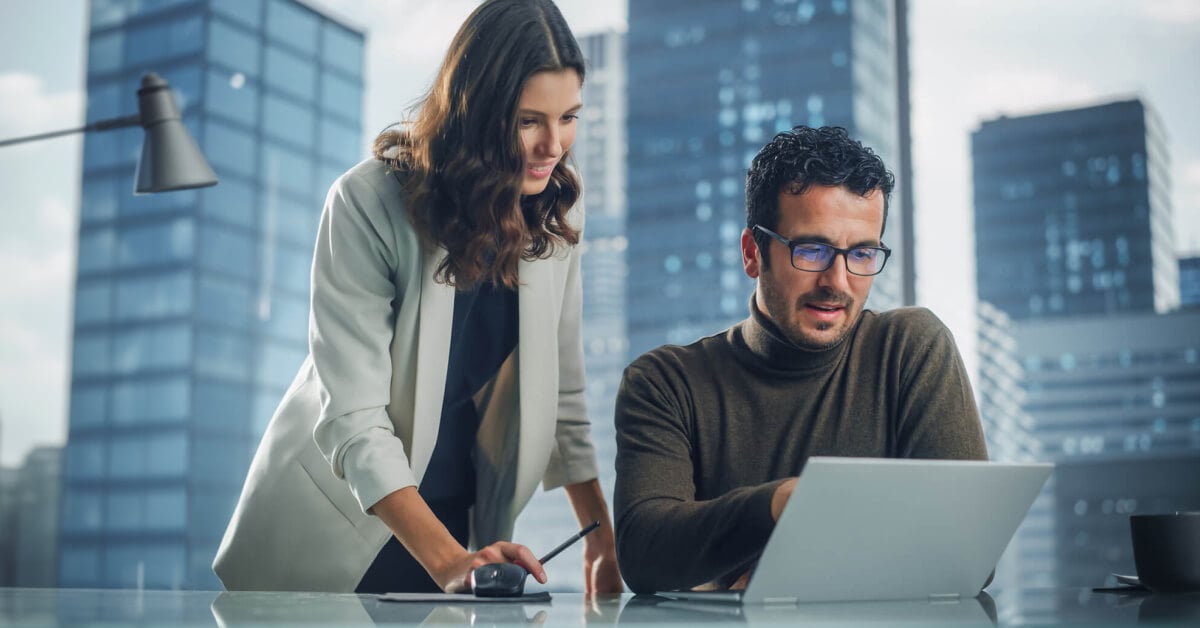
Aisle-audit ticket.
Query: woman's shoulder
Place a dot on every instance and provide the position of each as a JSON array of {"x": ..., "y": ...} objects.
[{"x": 371, "y": 178}]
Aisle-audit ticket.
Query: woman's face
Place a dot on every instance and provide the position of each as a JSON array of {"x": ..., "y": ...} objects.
[{"x": 546, "y": 117}]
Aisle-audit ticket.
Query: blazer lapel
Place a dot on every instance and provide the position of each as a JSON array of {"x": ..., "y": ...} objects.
[
  {"x": 538, "y": 373},
  {"x": 433, "y": 356}
]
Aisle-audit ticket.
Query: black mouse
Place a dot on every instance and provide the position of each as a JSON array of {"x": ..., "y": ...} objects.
[{"x": 499, "y": 580}]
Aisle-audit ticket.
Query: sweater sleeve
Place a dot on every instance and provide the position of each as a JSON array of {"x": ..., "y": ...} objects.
[
  {"x": 666, "y": 539},
  {"x": 938, "y": 417}
]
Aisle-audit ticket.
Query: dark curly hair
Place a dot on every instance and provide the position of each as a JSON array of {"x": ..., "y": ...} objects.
[
  {"x": 462, "y": 156},
  {"x": 803, "y": 157}
]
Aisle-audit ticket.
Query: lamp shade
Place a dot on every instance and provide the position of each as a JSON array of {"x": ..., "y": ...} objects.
[{"x": 171, "y": 160}]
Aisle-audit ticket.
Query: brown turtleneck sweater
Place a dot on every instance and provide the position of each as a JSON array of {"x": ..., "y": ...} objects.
[{"x": 705, "y": 432}]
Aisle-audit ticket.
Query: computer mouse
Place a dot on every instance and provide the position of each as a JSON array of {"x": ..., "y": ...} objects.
[{"x": 499, "y": 580}]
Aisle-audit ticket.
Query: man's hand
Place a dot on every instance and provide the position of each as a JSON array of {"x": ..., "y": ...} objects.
[
  {"x": 454, "y": 576},
  {"x": 780, "y": 498}
]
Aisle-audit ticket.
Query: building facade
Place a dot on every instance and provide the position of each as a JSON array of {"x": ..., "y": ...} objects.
[
  {"x": 1189, "y": 281},
  {"x": 1073, "y": 213},
  {"x": 715, "y": 81},
  {"x": 599, "y": 153},
  {"x": 191, "y": 307},
  {"x": 1114, "y": 400}
]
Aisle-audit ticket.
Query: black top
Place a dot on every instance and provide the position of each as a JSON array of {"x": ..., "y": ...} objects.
[{"x": 483, "y": 334}]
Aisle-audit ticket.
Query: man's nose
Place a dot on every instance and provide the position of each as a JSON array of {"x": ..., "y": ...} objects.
[{"x": 836, "y": 277}]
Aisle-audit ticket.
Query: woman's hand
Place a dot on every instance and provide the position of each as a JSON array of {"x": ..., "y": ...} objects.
[{"x": 455, "y": 575}]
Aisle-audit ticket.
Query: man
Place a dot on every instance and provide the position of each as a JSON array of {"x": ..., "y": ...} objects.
[{"x": 711, "y": 436}]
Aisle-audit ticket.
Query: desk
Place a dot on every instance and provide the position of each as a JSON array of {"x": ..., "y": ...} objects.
[{"x": 55, "y": 607}]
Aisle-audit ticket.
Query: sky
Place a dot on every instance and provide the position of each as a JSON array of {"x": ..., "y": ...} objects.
[{"x": 971, "y": 61}]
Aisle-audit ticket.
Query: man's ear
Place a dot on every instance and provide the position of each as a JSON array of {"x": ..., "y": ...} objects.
[{"x": 751, "y": 261}]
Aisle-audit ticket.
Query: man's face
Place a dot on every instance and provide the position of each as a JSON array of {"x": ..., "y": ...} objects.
[{"x": 815, "y": 310}]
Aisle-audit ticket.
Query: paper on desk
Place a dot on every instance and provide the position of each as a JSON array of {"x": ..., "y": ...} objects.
[{"x": 464, "y": 598}]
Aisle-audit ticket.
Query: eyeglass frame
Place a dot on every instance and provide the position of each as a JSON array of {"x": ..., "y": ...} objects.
[{"x": 792, "y": 244}]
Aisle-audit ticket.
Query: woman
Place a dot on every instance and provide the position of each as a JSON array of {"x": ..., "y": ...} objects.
[{"x": 445, "y": 374}]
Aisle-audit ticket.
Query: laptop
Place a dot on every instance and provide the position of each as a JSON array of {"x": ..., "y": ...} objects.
[{"x": 869, "y": 529}]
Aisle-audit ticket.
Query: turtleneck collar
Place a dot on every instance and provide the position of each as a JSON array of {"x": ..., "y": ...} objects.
[{"x": 767, "y": 346}]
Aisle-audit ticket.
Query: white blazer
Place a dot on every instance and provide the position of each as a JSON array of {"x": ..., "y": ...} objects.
[{"x": 362, "y": 416}]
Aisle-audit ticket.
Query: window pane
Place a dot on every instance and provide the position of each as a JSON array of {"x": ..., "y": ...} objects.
[
  {"x": 293, "y": 268},
  {"x": 223, "y": 355},
  {"x": 290, "y": 73},
  {"x": 96, "y": 249},
  {"x": 232, "y": 201},
  {"x": 225, "y": 301},
  {"x": 164, "y": 40},
  {"x": 104, "y": 52},
  {"x": 85, "y": 459},
  {"x": 228, "y": 251},
  {"x": 111, "y": 149},
  {"x": 155, "y": 400},
  {"x": 222, "y": 407},
  {"x": 82, "y": 510},
  {"x": 287, "y": 122},
  {"x": 342, "y": 49},
  {"x": 234, "y": 48},
  {"x": 287, "y": 22},
  {"x": 93, "y": 301},
  {"x": 237, "y": 103},
  {"x": 104, "y": 100},
  {"x": 341, "y": 97},
  {"x": 79, "y": 567},
  {"x": 229, "y": 149},
  {"x": 166, "y": 509},
  {"x": 278, "y": 363},
  {"x": 291, "y": 171},
  {"x": 287, "y": 318},
  {"x": 290, "y": 220},
  {"x": 154, "y": 297},
  {"x": 155, "y": 347},
  {"x": 247, "y": 12},
  {"x": 98, "y": 200},
  {"x": 161, "y": 243},
  {"x": 167, "y": 455},
  {"x": 341, "y": 143},
  {"x": 123, "y": 512},
  {"x": 89, "y": 406},
  {"x": 90, "y": 354}
]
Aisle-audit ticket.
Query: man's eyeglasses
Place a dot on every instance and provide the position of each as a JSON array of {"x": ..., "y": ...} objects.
[{"x": 816, "y": 257}]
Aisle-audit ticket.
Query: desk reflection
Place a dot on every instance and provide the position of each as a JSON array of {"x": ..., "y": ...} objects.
[
  {"x": 979, "y": 611},
  {"x": 240, "y": 608}
]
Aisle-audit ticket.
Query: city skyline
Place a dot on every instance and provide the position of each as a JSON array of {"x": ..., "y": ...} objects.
[{"x": 1118, "y": 51}]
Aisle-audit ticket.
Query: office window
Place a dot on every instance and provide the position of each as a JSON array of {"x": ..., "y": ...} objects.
[
  {"x": 228, "y": 251},
  {"x": 155, "y": 296},
  {"x": 220, "y": 461},
  {"x": 293, "y": 170},
  {"x": 98, "y": 199},
  {"x": 221, "y": 407},
  {"x": 287, "y": 122},
  {"x": 231, "y": 97},
  {"x": 292, "y": 220},
  {"x": 105, "y": 100},
  {"x": 223, "y": 355},
  {"x": 231, "y": 201},
  {"x": 289, "y": 23},
  {"x": 341, "y": 97},
  {"x": 157, "y": 400},
  {"x": 105, "y": 52},
  {"x": 288, "y": 317},
  {"x": 342, "y": 49},
  {"x": 166, "y": 509},
  {"x": 246, "y": 12},
  {"x": 79, "y": 566},
  {"x": 164, "y": 40},
  {"x": 224, "y": 301},
  {"x": 155, "y": 566},
  {"x": 110, "y": 149},
  {"x": 278, "y": 363},
  {"x": 233, "y": 48},
  {"x": 340, "y": 143},
  {"x": 89, "y": 405},
  {"x": 82, "y": 510},
  {"x": 229, "y": 149},
  {"x": 93, "y": 301},
  {"x": 290, "y": 73},
  {"x": 155, "y": 244},
  {"x": 90, "y": 354},
  {"x": 152, "y": 347},
  {"x": 122, "y": 509},
  {"x": 292, "y": 269},
  {"x": 85, "y": 459}
]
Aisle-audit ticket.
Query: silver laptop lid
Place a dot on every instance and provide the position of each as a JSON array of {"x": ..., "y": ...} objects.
[{"x": 888, "y": 529}]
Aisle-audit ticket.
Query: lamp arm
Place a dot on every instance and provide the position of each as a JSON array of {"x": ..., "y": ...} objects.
[{"x": 99, "y": 125}]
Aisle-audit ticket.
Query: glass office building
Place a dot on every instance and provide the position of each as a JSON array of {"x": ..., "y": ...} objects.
[
  {"x": 191, "y": 307},
  {"x": 1073, "y": 213},
  {"x": 599, "y": 153},
  {"x": 711, "y": 82},
  {"x": 1189, "y": 281}
]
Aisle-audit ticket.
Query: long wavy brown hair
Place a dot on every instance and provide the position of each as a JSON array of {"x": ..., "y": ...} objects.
[{"x": 461, "y": 158}]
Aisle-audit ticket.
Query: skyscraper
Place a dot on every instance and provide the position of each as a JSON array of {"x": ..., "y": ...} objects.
[
  {"x": 191, "y": 307},
  {"x": 1189, "y": 281},
  {"x": 599, "y": 152},
  {"x": 711, "y": 81},
  {"x": 1073, "y": 213}
]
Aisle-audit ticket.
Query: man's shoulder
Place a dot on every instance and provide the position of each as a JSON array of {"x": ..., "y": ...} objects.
[
  {"x": 909, "y": 321},
  {"x": 682, "y": 359}
]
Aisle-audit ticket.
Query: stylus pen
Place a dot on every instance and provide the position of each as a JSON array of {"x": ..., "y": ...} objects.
[{"x": 569, "y": 542}]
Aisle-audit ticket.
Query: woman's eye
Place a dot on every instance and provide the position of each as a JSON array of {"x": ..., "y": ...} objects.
[{"x": 528, "y": 122}]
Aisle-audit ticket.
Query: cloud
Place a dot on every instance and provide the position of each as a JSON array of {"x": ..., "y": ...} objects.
[
  {"x": 1175, "y": 12},
  {"x": 27, "y": 108},
  {"x": 1025, "y": 91}
]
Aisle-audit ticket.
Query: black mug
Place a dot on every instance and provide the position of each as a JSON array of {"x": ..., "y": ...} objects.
[{"x": 1166, "y": 551}]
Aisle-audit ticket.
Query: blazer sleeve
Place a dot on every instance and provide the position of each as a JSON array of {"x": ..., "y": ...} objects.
[
  {"x": 573, "y": 459},
  {"x": 350, "y": 337}
]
